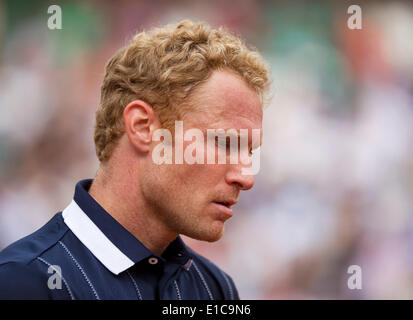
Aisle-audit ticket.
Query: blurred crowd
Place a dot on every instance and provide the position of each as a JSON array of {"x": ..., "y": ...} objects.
[{"x": 336, "y": 179}]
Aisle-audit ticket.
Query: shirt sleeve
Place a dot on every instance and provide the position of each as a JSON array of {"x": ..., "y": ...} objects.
[{"x": 19, "y": 281}]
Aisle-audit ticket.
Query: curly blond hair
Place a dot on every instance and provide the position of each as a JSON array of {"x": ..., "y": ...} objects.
[{"x": 162, "y": 67}]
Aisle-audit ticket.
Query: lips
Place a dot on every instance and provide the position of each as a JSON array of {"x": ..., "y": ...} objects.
[
  {"x": 224, "y": 209},
  {"x": 226, "y": 202}
]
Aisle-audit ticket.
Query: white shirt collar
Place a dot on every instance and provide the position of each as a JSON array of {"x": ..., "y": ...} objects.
[{"x": 95, "y": 240}]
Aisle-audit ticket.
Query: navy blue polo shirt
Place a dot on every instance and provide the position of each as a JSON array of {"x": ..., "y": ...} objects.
[{"x": 84, "y": 253}]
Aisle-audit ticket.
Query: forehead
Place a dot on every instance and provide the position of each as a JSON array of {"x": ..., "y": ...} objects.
[{"x": 225, "y": 101}]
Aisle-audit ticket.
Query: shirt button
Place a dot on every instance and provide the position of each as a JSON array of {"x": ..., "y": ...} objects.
[{"x": 153, "y": 260}]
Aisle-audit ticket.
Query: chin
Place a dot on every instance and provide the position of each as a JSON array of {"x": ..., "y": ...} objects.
[{"x": 213, "y": 234}]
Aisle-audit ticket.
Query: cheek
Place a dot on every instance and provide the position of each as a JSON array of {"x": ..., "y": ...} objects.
[
  {"x": 197, "y": 177},
  {"x": 183, "y": 180},
  {"x": 205, "y": 176}
]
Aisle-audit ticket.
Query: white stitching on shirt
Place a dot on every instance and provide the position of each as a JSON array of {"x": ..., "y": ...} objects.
[
  {"x": 81, "y": 270},
  {"x": 203, "y": 281},
  {"x": 178, "y": 293},
  {"x": 231, "y": 293},
  {"x": 188, "y": 264},
  {"x": 135, "y": 285},
  {"x": 64, "y": 281}
]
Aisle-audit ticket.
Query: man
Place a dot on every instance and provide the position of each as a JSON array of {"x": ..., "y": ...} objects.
[{"x": 119, "y": 237}]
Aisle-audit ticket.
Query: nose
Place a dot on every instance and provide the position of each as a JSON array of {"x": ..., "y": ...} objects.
[{"x": 236, "y": 177}]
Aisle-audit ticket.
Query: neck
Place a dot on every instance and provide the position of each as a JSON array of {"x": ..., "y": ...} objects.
[{"x": 120, "y": 195}]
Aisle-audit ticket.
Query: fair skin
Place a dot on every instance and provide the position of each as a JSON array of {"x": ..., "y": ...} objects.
[{"x": 155, "y": 202}]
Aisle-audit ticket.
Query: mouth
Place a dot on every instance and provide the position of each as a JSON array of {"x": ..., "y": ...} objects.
[
  {"x": 227, "y": 203},
  {"x": 225, "y": 207}
]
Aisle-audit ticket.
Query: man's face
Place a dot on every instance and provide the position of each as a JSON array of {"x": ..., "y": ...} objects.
[{"x": 185, "y": 197}]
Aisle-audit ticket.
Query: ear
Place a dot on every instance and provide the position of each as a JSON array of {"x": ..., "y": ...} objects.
[{"x": 140, "y": 123}]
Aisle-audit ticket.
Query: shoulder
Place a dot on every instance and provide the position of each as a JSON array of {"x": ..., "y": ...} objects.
[
  {"x": 203, "y": 265},
  {"x": 22, "y": 276},
  {"x": 30, "y": 247},
  {"x": 22, "y": 281}
]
